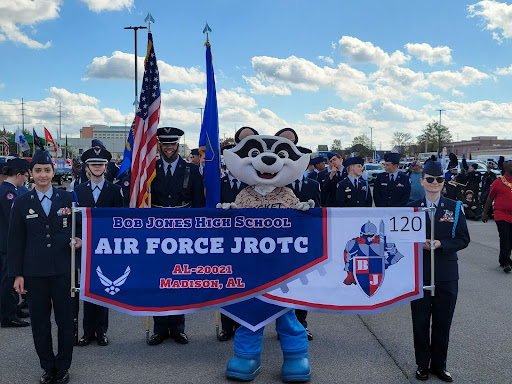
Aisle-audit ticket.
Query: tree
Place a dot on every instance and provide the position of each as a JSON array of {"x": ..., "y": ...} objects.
[
  {"x": 401, "y": 140},
  {"x": 361, "y": 146},
  {"x": 227, "y": 141},
  {"x": 336, "y": 147},
  {"x": 436, "y": 136}
]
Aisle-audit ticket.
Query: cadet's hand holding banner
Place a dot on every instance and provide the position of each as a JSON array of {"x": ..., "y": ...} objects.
[{"x": 161, "y": 261}]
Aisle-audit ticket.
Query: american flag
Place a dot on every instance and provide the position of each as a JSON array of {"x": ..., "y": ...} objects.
[
  {"x": 146, "y": 124},
  {"x": 6, "y": 145}
]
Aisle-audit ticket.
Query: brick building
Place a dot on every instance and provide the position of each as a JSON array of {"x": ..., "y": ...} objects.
[{"x": 478, "y": 144}]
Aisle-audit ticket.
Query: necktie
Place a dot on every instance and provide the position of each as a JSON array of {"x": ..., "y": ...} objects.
[
  {"x": 296, "y": 187},
  {"x": 169, "y": 170},
  {"x": 46, "y": 203},
  {"x": 392, "y": 177},
  {"x": 356, "y": 182},
  {"x": 234, "y": 187}
]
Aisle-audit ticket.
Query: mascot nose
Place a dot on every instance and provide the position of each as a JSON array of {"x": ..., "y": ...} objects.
[{"x": 268, "y": 160}]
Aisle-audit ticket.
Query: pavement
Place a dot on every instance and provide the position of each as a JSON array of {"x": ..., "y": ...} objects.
[{"x": 346, "y": 349}]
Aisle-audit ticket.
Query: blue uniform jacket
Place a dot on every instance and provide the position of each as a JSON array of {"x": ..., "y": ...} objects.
[
  {"x": 391, "y": 194},
  {"x": 445, "y": 257},
  {"x": 310, "y": 190},
  {"x": 328, "y": 187},
  {"x": 227, "y": 194},
  {"x": 168, "y": 191},
  {"x": 38, "y": 245},
  {"x": 348, "y": 196},
  {"x": 8, "y": 192},
  {"x": 110, "y": 195}
]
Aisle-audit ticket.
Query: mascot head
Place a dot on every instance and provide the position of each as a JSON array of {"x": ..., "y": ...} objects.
[{"x": 266, "y": 160}]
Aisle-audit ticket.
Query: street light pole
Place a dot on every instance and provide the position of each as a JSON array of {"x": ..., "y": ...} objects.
[
  {"x": 371, "y": 143},
  {"x": 136, "y": 102},
  {"x": 439, "y": 132}
]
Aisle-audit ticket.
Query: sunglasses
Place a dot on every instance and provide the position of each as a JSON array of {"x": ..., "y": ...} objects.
[{"x": 430, "y": 180}]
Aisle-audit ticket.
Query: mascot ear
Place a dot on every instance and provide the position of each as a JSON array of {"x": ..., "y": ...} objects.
[
  {"x": 243, "y": 132},
  {"x": 289, "y": 134}
]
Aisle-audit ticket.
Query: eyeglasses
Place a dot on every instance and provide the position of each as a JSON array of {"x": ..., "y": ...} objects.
[{"x": 430, "y": 180}]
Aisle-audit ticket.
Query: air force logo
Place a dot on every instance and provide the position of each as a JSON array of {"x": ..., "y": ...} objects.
[
  {"x": 367, "y": 257},
  {"x": 112, "y": 286}
]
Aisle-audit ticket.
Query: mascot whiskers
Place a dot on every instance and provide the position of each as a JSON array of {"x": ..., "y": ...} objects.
[{"x": 267, "y": 164}]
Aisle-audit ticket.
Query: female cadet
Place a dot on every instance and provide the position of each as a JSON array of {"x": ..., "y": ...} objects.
[
  {"x": 38, "y": 252},
  {"x": 451, "y": 235}
]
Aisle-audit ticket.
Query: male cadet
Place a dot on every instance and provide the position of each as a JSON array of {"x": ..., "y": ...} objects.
[
  {"x": 306, "y": 189},
  {"x": 194, "y": 156},
  {"x": 16, "y": 172},
  {"x": 392, "y": 188},
  {"x": 229, "y": 189},
  {"x": 178, "y": 184},
  {"x": 353, "y": 191},
  {"x": 337, "y": 173},
  {"x": 97, "y": 192},
  {"x": 451, "y": 235},
  {"x": 38, "y": 252}
]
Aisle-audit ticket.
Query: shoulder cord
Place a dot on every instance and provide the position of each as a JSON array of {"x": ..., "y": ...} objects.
[{"x": 457, "y": 212}]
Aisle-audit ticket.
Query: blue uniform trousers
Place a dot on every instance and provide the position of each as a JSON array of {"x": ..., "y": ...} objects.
[
  {"x": 431, "y": 343},
  {"x": 292, "y": 335},
  {"x": 43, "y": 294},
  {"x": 8, "y": 297}
]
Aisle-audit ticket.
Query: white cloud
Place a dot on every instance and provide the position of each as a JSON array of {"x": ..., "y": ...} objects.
[
  {"x": 258, "y": 88},
  {"x": 399, "y": 77},
  {"x": 120, "y": 65},
  {"x": 432, "y": 55},
  {"x": 385, "y": 110},
  {"x": 335, "y": 116},
  {"x": 196, "y": 98},
  {"x": 15, "y": 14},
  {"x": 108, "y": 5},
  {"x": 496, "y": 16},
  {"x": 67, "y": 97},
  {"x": 359, "y": 51},
  {"x": 479, "y": 110},
  {"x": 2, "y": 85},
  {"x": 327, "y": 59},
  {"x": 448, "y": 79},
  {"x": 503, "y": 71},
  {"x": 456, "y": 92}
]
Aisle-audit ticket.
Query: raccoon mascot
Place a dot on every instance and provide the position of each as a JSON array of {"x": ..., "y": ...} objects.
[{"x": 267, "y": 164}]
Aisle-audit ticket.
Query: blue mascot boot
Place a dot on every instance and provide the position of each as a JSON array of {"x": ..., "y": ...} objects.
[
  {"x": 243, "y": 367},
  {"x": 296, "y": 367}
]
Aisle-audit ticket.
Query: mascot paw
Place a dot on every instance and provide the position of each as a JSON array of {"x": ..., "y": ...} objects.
[
  {"x": 311, "y": 203},
  {"x": 302, "y": 206},
  {"x": 226, "y": 206}
]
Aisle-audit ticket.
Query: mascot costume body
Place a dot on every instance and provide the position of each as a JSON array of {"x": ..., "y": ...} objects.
[{"x": 267, "y": 164}]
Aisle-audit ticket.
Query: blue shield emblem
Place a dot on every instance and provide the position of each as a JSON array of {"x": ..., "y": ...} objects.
[{"x": 369, "y": 273}]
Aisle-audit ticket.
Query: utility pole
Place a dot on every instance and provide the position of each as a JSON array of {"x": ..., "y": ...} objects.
[
  {"x": 371, "y": 142},
  {"x": 22, "y": 116},
  {"x": 135, "y": 29}
]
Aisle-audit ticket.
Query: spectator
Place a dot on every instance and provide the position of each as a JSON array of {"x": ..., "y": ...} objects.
[
  {"x": 417, "y": 190},
  {"x": 472, "y": 207}
]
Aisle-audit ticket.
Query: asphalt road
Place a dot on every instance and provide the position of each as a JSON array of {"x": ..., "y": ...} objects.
[{"x": 346, "y": 348}]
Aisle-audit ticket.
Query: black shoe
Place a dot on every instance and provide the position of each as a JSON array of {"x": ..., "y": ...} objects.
[
  {"x": 180, "y": 338},
  {"x": 62, "y": 377},
  {"x": 224, "y": 335},
  {"x": 48, "y": 377},
  {"x": 155, "y": 339},
  {"x": 310, "y": 335},
  {"x": 442, "y": 374},
  {"x": 16, "y": 323},
  {"x": 85, "y": 340},
  {"x": 422, "y": 374},
  {"x": 507, "y": 268},
  {"x": 22, "y": 314},
  {"x": 102, "y": 339}
]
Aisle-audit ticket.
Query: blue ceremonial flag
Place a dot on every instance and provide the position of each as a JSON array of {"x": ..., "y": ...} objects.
[
  {"x": 377, "y": 157},
  {"x": 127, "y": 156},
  {"x": 21, "y": 140},
  {"x": 37, "y": 140},
  {"x": 209, "y": 138}
]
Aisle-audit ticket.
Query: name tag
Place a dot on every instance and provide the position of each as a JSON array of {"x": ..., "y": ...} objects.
[
  {"x": 33, "y": 216},
  {"x": 384, "y": 184}
]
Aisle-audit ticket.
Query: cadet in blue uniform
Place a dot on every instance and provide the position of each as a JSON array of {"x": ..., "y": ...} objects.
[
  {"x": 178, "y": 184},
  {"x": 97, "y": 192},
  {"x": 354, "y": 191},
  {"x": 16, "y": 171},
  {"x": 337, "y": 173},
  {"x": 391, "y": 189},
  {"x": 451, "y": 235},
  {"x": 38, "y": 252}
]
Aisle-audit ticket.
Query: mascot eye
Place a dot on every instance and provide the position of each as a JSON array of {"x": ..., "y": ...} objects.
[
  {"x": 282, "y": 154},
  {"x": 254, "y": 152}
]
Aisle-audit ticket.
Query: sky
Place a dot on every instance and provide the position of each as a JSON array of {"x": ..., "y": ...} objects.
[{"x": 328, "y": 69}]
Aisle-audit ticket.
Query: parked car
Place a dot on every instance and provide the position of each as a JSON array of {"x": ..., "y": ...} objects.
[
  {"x": 372, "y": 170},
  {"x": 482, "y": 166}
]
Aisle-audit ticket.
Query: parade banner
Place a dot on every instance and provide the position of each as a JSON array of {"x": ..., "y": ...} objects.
[{"x": 171, "y": 261}]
